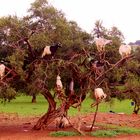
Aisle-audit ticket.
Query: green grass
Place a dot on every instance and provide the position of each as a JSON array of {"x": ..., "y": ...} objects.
[
  {"x": 127, "y": 130},
  {"x": 23, "y": 106},
  {"x": 104, "y": 133},
  {"x": 115, "y": 132},
  {"x": 63, "y": 134},
  {"x": 109, "y": 131},
  {"x": 115, "y": 105}
]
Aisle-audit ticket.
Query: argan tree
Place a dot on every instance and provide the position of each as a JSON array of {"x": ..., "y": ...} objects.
[{"x": 22, "y": 42}]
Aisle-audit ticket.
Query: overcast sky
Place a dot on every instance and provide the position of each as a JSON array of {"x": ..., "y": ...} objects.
[{"x": 123, "y": 14}]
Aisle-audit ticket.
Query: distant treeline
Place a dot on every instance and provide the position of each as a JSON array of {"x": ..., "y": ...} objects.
[{"x": 137, "y": 43}]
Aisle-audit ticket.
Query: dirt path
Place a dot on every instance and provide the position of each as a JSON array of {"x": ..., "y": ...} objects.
[{"x": 13, "y": 127}]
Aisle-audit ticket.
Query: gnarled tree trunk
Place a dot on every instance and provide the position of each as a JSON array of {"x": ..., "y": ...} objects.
[
  {"x": 52, "y": 105},
  {"x": 33, "y": 98},
  {"x": 54, "y": 112}
]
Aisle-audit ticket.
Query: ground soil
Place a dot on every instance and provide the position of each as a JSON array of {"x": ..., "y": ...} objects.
[{"x": 13, "y": 127}]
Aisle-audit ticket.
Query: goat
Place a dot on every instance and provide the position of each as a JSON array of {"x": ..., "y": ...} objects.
[
  {"x": 50, "y": 50},
  {"x": 97, "y": 67},
  {"x": 101, "y": 42},
  {"x": 125, "y": 50},
  {"x": 71, "y": 86},
  {"x": 61, "y": 122},
  {"x": 2, "y": 71},
  {"x": 99, "y": 96},
  {"x": 59, "y": 88},
  {"x": 59, "y": 84}
]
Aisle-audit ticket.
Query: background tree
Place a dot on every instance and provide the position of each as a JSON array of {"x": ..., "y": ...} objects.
[{"x": 99, "y": 30}]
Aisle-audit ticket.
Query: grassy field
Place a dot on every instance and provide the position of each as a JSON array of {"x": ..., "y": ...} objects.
[{"x": 23, "y": 106}]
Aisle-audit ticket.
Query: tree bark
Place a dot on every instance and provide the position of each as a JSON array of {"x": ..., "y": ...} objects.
[
  {"x": 136, "y": 109},
  {"x": 51, "y": 109},
  {"x": 33, "y": 98},
  {"x": 49, "y": 117},
  {"x": 53, "y": 112}
]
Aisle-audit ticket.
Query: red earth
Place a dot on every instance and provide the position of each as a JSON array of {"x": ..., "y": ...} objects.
[{"x": 13, "y": 127}]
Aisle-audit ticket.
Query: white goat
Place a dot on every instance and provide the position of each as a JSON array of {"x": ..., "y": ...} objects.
[
  {"x": 101, "y": 42},
  {"x": 2, "y": 71},
  {"x": 71, "y": 86},
  {"x": 125, "y": 50},
  {"x": 61, "y": 122},
  {"x": 59, "y": 84},
  {"x": 46, "y": 51},
  {"x": 99, "y": 94}
]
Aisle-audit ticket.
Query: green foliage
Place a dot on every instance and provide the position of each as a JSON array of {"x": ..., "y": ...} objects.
[
  {"x": 17, "y": 60},
  {"x": 131, "y": 88},
  {"x": 7, "y": 93}
]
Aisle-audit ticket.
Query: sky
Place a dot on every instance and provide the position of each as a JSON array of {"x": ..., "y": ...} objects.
[{"x": 124, "y": 14}]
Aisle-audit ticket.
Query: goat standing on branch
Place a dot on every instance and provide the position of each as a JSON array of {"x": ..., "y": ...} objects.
[
  {"x": 101, "y": 43},
  {"x": 59, "y": 85},
  {"x": 59, "y": 88},
  {"x": 50, "y": 50},
  {"x": 2, "y": 71},
  {"x": 99, "y": 96},
  {"x": 125, "y": 50},
  {"x": 71, "y": 87}
]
